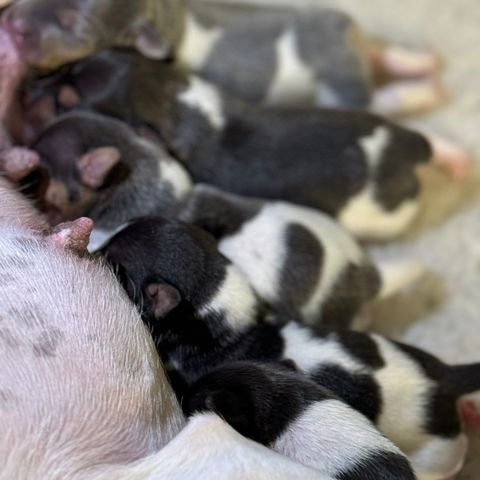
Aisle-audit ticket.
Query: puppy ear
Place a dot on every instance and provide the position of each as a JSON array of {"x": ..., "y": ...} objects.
[
  {"x": 164, "y": 297},
  {"x": 149, "y": 43},
  {"x": 95, "y": 165}
]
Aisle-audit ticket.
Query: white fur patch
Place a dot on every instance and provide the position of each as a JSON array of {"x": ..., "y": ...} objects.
[
  {"x": 293, "y": 78},
  {"x": 177, "y": 176},
  {"x": 405, "y": 391},
  {"x": 331, "y": 437},
  {"x": 208, "y": 448},
  {"x": 235, "y": 299},
  {"x": 375, "y": 144},
  {"x": 197, "y": 44},
  {"x": 260, "y": 250},
  {"x": 362, "y": 214},
  {"x": 440, "y": 458},
  {"x": 365, "y": 218},
  {"x": 205, "y": 97},
  {"x": 310, "y": 352}
]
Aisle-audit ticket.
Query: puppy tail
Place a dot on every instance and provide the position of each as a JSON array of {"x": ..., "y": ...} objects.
[{"x": 464, "y": 379}]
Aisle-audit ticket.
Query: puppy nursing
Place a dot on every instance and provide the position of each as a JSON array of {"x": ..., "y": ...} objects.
[
  {"x": 197, "y": 328},
  {"x": 157, "y": 133}
]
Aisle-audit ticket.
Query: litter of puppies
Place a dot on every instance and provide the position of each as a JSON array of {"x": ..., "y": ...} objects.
[{"x": 225, "y": 165}]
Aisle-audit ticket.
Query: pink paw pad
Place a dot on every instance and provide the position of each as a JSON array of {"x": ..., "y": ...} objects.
[
  {"x": 452, "y": 158},
  {"x": 470, "y": 412}
]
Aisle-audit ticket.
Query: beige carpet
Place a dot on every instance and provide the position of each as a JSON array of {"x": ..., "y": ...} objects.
[{"x": 441, "y": 314}]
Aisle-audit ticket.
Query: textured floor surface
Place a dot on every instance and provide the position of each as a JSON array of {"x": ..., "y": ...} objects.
[{"x": 441, "y": 314}]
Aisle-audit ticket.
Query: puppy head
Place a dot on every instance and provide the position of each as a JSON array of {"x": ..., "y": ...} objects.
[
  {"x": 83, "y": 165},
  {"x": 50, "y": 33},
  {"x": 231, "y": 392},
  {"x": 163, "y": 263}
]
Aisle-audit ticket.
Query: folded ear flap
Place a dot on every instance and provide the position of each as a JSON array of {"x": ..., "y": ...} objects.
[
  {"x": 95, "y": 165},
  {"x": 149, "y": 43},
  {"x": 164, "y": 297}
]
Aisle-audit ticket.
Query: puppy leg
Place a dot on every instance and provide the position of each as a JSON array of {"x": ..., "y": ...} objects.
[
  {"x": 450, "y": 157},
  {"x": 408, "y": 97},
  {"x": 400, "y": 62}
]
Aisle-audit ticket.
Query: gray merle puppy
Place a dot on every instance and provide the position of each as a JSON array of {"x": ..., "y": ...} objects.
[{"x": 355, "y": 166}]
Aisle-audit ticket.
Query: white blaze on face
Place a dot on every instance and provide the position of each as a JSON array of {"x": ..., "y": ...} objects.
[
  {"x": 197, "y": 43},
  {"x": 293, "y": 78},
  {"x": 234, "y": 299},
  {"x": 174, "y": 173},
  {"x": 332, "y": 437},
  {"x": 206, "y": 98}
]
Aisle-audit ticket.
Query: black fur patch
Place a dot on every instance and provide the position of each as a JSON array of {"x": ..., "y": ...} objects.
[
  {"x": 258, "y": 400},
  {"x": 47, "y": 343},
  {"x": 362, "y": 347},
  {"x": 219, "y": 213},
  {"x": 357, "y": 285},
  {"x": 302, "y": 267},
  {"x": 360, "y": 391},
  {"x": 379, "y": 466}
]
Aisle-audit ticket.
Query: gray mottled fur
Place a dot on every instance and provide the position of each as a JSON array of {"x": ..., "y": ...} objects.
[{"x": 243, "y": 60}]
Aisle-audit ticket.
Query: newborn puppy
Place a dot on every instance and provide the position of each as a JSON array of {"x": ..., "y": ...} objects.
[
  {"x": 294, "y": 416},
  {"x": 355, "y": 166},
  {"x": 302, "y": 56},
  {"x": 298, "y": 260},
  {"x": 100, "y": 168},
  {"x": 203, "y": 314},
  {"x": 51, "y": 33}
]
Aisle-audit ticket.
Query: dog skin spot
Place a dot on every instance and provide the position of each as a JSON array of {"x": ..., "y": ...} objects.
[
  {"x": 9, "y": 338},
  {"x": 7, "y": 278},
  {"x": 29, "y": 317},
  {"x": 18, "y": 262},
  {"x": 47, "y": 343},
  {"x": 7, "y": 398},
  {"x": 27, "y": 243}
]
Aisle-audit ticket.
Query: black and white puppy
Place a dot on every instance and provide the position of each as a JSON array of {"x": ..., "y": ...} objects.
[
  {"x": 298, "y": 260},
  {"x": 355, "y": 166},
  {"x": 100, "y": 168},
  {"x": 293, "y": 415},
  {"x": 204, "y": 314},
  {"x": 302, "y": 56}
]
